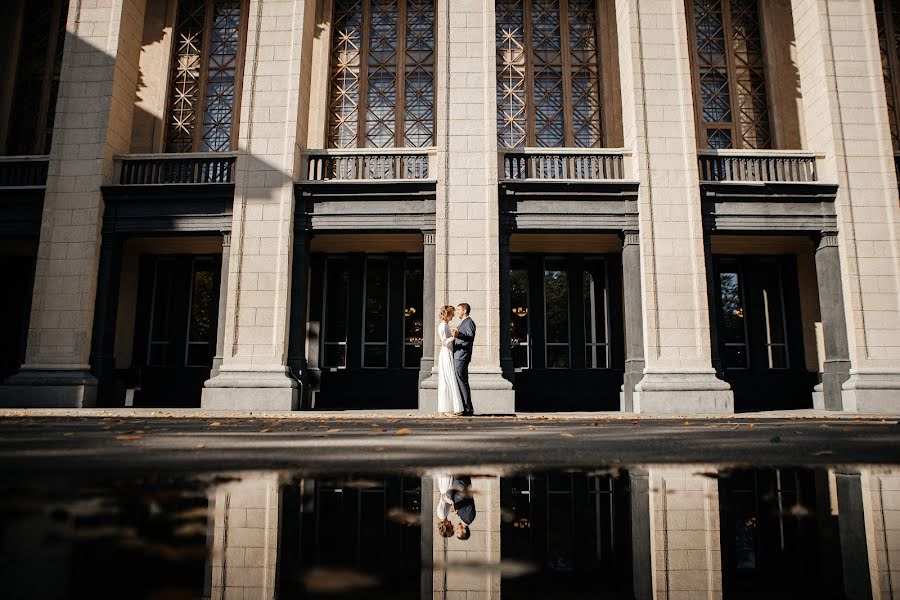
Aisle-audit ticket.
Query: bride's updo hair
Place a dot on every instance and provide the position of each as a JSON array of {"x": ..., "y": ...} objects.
[{"x": 447, "y": 313}]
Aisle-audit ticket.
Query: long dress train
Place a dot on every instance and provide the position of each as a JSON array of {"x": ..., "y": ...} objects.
[{"x": 449, "y": 397}]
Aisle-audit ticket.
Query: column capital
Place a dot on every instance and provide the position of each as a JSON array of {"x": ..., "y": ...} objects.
[
  {"x": 827, "y": 239},
  {"x": 630, "y": 237},
  {"x": 226, "y": 239},
  {"x": 428, "y": 238}
]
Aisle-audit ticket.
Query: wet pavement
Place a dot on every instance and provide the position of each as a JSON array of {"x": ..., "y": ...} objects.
[{"x": 399, "y": 507}]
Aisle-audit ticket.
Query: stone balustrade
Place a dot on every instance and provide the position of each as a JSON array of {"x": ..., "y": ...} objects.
[
  {"x": 757, "y": 166},
  {"x": 563, "y": 164},
  {"x": 23, "y": 171},
  {"x": 182, "y": 168},
  {"x": 369, "y": 164}
]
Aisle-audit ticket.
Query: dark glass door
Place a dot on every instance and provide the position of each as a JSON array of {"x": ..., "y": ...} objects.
[
  {"x": 566, "y": 331},
  {"x": 572, "y": 529},
  {"x": 370, "y": 310},
  {"x": 760, "y": 332},
  {"x": 175, "y": 332}
]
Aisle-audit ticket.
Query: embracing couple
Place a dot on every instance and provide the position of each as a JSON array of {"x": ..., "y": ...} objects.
[{"x": 454, "y": 395}]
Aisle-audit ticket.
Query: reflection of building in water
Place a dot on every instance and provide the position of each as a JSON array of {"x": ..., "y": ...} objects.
[
  {"x": 779, "y": 533},
  {"x": 351, "y": 535},
  {"x": 571, "y": 529}
]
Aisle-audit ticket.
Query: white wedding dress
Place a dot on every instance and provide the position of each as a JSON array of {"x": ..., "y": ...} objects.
[{"x": 449, "y": 397}]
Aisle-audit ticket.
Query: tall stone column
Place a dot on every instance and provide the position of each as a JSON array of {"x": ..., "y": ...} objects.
[
  {"x": 468, "y": 210},
  {"x": 254, "y": 373},
  {"x": 429, "y": 347},
  {"x": 245, "y": 535},
  {"x": 846, "y": 119},
  {"x": 93, "y": 122},
  {"x": 659, "y": 131},
  {"x": 831, "y": 305},
  {"x": 684, "y": 529},
  {"x": 634, "y": 321},
  {"x": 223, "y": 303}
]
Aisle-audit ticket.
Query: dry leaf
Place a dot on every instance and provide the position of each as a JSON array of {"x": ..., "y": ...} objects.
[
  {"x": 215, "y": 424},
  {"x": 128, "y": 438},
  {"x": 266, "y": 430},
  {"x": 566, "y": 435},
  {"x": 532, "y": 428},
  {"x": 403, "y": 431}
]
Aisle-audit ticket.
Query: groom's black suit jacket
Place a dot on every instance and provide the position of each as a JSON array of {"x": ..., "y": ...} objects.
[
  {"x": 460, "y": 493},
  {"x": 465, "y": 339}
]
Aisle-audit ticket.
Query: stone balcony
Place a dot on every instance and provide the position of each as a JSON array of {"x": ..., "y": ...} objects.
[
  {"x": 566, "y": 188},
  {"x": 170, "y": 193},
  {"x": 22, "y": 183},
  {"x": 764, "y": 191},
  {"x": 367, "y": 188}
]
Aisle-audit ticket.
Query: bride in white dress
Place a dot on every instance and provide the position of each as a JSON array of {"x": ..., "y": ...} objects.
[{"x": 449, "y": 398}]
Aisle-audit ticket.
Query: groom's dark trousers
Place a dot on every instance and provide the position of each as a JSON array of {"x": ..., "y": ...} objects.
[{"x": 462, "y": 356}]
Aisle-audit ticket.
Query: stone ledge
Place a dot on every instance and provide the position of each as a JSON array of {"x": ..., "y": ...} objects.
[{"x": 50, "y": 388}]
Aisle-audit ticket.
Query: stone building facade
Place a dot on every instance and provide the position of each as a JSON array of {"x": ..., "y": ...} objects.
[{"x": 653, "y": 206}]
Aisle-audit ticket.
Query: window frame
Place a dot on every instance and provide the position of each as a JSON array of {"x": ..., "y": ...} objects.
[
  {"x": 735, "y": 126},
  {"x": 401, "y": 67},
  {"x": 890, "y": 63},
  {"x": 203, "y": 79}
]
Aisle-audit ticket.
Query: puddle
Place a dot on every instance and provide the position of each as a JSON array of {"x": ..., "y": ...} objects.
[{"x": 622, "y": 532}]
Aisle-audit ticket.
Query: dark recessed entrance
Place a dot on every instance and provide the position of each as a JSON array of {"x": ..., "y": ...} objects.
[
  {"x": 759, "y": 330},
  {"x": 175, "y": 329},
  {"x": 566, "y": 331},
  {"x": 369, "y": 347},
  {"x": 15, "y": 306}
]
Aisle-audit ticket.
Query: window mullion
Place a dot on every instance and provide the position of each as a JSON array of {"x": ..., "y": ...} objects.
[
  {"x": 362, "y": 106},
  {"x": 204, "y": 76},
  {"x": 565, "y": 51},
  {"x": 736, "y": 135},
  {"x": 529, "y": 75},
  {"x": 400, "y": 85}
]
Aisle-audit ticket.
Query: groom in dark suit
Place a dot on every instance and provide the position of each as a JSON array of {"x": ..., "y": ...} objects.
[{"x": 462, "y": 355}]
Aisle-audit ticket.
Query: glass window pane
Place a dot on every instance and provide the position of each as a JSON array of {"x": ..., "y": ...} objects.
[
  {"x": 557, "y": 357},
  {"x": 202, "y": 298},
  {"x": 556, "y": 302},
  {"x": 376, "y": 311},
  {"x": 412, "y": 312},
  {"x": 733, "y": 330},
  {"x": 161, "y": 311},
  {"x": 337, "y": 285},
  {"x": 375, "y": 356},
  {"x": 335, "y": 355},
  {"x": 518, "y": 326}
]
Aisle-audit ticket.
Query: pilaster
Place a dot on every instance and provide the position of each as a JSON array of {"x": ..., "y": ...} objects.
[
  {"x": 659, "y": 130},
  {"x": 831, "y": 306},
  {"x": 93, "y": 122},
  {"x": 846, "y": 119},
  {"x": 467, "y": 219},
  {"x": 254, "y": 373}
]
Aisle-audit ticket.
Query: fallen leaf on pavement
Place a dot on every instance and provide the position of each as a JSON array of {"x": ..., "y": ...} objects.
[
  {"x": 266, "y": 430},
  {"x": 128, "y": 438},
  {"x": 215, "y": 424},
  {"x": 403, "y": 431},
  {"x": 532, "y": 428},
  {"x": 566, "y": 435}
]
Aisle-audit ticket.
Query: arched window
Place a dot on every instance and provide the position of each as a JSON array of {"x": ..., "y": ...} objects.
[
  {"x": 548, "y": 74},
  {"x": 382, "y": 74},
  {"x": 887, "y": 14},
  {"x": 728, "y": 61},
  {"x": 205, "y": 78}
]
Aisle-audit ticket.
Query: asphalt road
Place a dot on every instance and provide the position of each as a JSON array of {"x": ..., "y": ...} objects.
[{"x": 44, "y": 445}]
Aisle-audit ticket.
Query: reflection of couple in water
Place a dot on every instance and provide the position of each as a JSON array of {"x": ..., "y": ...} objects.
[{"x": 456, "y": 497}]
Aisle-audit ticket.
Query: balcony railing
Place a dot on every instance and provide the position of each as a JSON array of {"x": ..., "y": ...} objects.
[
  {"x": 23, "y": 171},
  {"x": 169, "y": 169},
  {"x": 369, "y": 164},
  {"x": 577, "y": 164},
  {"x": 757, "y": 166}
]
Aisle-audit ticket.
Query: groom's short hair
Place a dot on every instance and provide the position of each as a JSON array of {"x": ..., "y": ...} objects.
[{"x": 465, "y": 307}]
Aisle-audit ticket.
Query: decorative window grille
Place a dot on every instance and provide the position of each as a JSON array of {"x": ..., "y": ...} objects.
[
  {"x": 887, "y": 15},
  {"x": 205, "y": 81},
  {"x": 731, "y": 99},
  {"x": 40, "y": 50},
  {"x": 382, "y": 74},
  {"x": 548, "y": 74}
]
